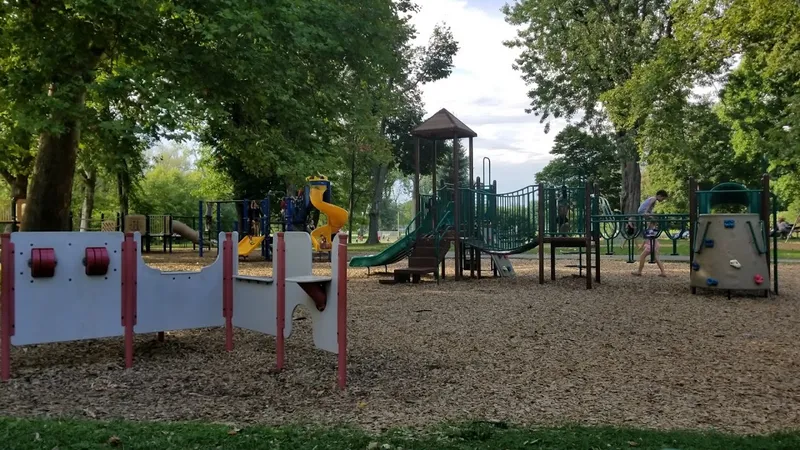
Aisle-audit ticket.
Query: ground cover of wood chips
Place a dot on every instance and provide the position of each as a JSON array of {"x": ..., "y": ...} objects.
[{"x": 637, "y": 352}]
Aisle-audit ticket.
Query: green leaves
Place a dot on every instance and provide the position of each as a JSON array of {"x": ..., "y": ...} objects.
[
  {"x": 581, "y": 156},
  {"x": 574, "y": 52}
]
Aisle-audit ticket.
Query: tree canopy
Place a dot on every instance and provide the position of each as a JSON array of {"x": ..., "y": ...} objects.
[
  {"x": 581, "y": 156},
  {"x": 275, "y": 91},
  {"x": 573, "y": 53}
]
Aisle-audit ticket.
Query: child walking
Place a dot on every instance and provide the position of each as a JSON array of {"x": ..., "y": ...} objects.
[
  {"x": 646, "y": 208},
  {"x": 650, "y": 245}
]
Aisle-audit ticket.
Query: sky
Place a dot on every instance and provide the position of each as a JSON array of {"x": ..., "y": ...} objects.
[{"x": 485, "y": 92}]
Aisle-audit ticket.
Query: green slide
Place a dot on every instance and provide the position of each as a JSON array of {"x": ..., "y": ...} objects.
[
  {"x": 402, "y": 247},
  {"x": 394, "y": 253}
]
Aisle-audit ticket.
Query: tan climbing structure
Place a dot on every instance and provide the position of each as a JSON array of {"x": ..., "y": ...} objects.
[{"x": 730, "y": 253}]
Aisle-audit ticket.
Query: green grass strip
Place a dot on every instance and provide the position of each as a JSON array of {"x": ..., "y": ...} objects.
[{"x": 24, "y": 434}]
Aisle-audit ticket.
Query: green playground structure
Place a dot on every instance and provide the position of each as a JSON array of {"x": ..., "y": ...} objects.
[
  {"x": 472, "y": 218},
  {"x": 490, "y": 223}
]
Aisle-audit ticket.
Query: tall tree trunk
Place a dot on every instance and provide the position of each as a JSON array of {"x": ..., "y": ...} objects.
[
  {"x": 19, "y": 187},
  {"x": 89, "y": 187},
  {"x": 379, "y": 173},
  {"x": 123, "y": 189},
  {"x": 48, "y": 206},
  {"x": 631, "y": 186},
  {"x": 631, "y": 173}
]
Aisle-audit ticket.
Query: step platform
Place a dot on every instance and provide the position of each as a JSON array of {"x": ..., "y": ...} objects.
[{"x": 412, "y": 274}]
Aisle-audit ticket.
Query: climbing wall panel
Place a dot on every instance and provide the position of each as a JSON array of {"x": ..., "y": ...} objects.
[{"x": 730, "y": 253}]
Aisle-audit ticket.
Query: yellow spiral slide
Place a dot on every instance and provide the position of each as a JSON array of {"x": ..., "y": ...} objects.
[{"x": 322, "y": 237}]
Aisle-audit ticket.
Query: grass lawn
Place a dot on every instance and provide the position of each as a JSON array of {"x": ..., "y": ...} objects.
[
  {"x": 19, "y": 434},
  {"x": 790, "y": 250}
]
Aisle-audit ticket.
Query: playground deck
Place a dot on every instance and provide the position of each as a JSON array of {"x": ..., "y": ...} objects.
[{"x": 633, "y": 352}]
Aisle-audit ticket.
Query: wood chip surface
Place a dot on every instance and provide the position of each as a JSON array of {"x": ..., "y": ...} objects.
[{"x": 637, "y": 352}]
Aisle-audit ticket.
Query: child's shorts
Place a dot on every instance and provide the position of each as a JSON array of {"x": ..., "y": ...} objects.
[{"x": 651, "y": 245}]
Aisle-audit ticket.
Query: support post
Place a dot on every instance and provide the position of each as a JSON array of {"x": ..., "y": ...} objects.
[
  {"x": 692, "y": 222},
  {"x": 227, "y": 289},
  {"x": 219, "y": 223},
  {"x": 281, "y": 307},
  {"x": 434, "y": 189},
  {"x": 471, "y": 222},
  {"x": 596, "y": 210},
  {"x": 587, "y": 230},
  {"x": 200, "y": 228},
  {"x": 416, "y": 183},
  {"x": 7, "y": 315},
  {"x": 765, "y": 213},
  {"x": 457, "y": 207},
  {"x": 341, "y": 311},
  {"x": 540, "y": 232},
  {"x": 129, "y": 269}
]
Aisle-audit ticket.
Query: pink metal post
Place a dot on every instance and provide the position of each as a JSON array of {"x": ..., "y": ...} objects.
[
  {"x": 281, "y": 313},
  {"x": 341, "y": 311},
  {"x": 129, "y": 270},
  {"x": 6, "y": 307},
  {"x": 227, "y": 289}
]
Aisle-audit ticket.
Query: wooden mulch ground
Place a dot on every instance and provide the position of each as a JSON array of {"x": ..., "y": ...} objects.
[{"x": 633, "y": 351}]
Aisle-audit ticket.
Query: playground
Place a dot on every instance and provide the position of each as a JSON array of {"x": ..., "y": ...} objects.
[
  {"x": 632, "y": 351},
  {"x": 441, "y": 325}
]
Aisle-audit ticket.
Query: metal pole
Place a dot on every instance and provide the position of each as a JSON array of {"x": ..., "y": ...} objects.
[
  {"x": 244, "y": 225},
  {"x": 434, "y": 198},
  {"x": 540, "y": 232},
  {"x": 471, "y": 194},
  {"x": 596, "y": 210},
  {"x": 587, "y": 218},
  {"x": 352, "y": 193},
  {"x": 200, "y": 227},
  {"x": 457, "y": 206},
  {"x": 219, "y": 223},
  {"x": 692, "y": 221},
  {"x": 14, "y": 227},
  {"x": 416, "y": 182},
  {"x": 765, "y": 210}
]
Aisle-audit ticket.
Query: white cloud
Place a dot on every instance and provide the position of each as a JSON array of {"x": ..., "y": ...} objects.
[{"x": 485, "y": 92}]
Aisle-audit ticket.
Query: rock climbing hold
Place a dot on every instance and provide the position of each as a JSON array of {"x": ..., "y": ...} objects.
[
  {"x": 758, "y": 279},
  {"x": 729, "y": 223},
  {"x": 709, "y": 243},
  {"x": 695, "y": 266},
  {"x": 712, "y": 282},
  {"x": 736, "y": 264}
]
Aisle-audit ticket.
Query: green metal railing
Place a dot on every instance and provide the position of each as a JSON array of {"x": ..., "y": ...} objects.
[
  {"x": 441, "y": 229},
  {"x": 500, "y": 221}
]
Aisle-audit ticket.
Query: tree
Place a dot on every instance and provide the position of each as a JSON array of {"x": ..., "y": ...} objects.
[
  {"x": 170, "y": 61},
  {"x": 574, "y": 52},
  {"x": 581, "y": 157},
  {"x": 748, "y": 47},
  {"x": 693, "y": 142},
  {"x": 444, "y": 173},
  {"x": 16, "y": 157},
  {"x": 419, "y": 66}
]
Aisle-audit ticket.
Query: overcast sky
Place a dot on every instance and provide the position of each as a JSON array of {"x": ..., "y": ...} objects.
[{"x": 485, "y": 92}]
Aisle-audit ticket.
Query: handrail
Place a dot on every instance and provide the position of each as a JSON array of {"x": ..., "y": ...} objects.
[
  {"x": 755, "y": 241},
  {"x": 438, "y": 237},
  {"x": 520, "y": 191},
  {"x": 414, "y": 221},
  {"x": 702, "y": 240}
]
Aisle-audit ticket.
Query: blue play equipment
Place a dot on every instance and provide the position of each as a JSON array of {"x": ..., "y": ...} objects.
[
  {"x": 252, "y": 212},
  {"x": 292, "y": 212}
]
